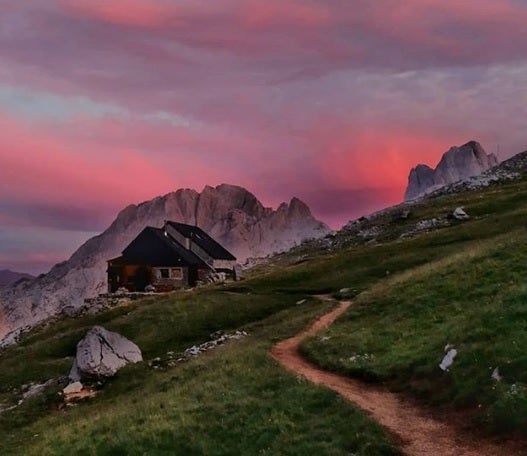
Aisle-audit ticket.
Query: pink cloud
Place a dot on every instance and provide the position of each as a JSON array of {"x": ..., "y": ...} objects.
[
  {"x": 39, "y": 166},
  {"x": 346, "y": 34},
  {"x": 163, "y": 13},
  {"x": 140, "y": 13},
  {"x": 355, "y": 159},
  {"x": 181, "y": 50},
  {"x": 450, "y": 30},
  {"x": 258, "y": 14},
  {"x": 110, "y": 163}
]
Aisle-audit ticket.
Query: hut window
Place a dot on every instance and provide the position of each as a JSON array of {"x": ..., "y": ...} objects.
[
  {"x": 164, "y": 273},
  {"x": 176, "y": 273}
]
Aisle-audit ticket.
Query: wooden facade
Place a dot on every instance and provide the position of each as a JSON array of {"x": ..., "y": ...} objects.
[{"x": 136, "y": 277}]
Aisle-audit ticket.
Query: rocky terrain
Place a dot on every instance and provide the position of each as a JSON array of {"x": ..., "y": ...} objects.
[
  {"x": 8, "y": 277},
  {"x": 411, "y": 217},
  {"x": 457, "y": 164},
  {"x": 230, "y": 214},
  {"x": 508, "y": 170}
]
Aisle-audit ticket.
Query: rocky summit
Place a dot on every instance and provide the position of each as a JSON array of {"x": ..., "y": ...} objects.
[
  {"x": 230, "y": 214},
  {"x": 457, "y": 164}
]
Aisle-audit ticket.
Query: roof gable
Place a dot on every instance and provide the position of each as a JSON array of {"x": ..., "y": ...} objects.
[
  {"x": 153, "y": 247},
  {"x": 203, "y": 240}
]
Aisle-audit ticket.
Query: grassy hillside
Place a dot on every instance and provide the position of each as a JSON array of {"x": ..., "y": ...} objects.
[
  {"x": 461, "y": 284},
  {"x": 475, "y": 302},
  {"x": 235, "y": 400},
  {"x": 472, "y": 296}
]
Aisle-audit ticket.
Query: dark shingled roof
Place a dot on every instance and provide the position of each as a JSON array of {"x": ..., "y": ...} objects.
[
  {"x": 203, "y": 240},
  {"x": 153, "y": 247}
]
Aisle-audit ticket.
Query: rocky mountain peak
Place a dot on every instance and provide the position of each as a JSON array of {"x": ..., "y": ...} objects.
[
  {"x": 457, "y": 164},
  {"x": 298, "y": 208},
  {"x": 230, "y": 214}
]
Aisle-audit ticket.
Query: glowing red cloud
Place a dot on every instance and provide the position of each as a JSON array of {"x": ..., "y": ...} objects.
[
  {"x": 369, "y": 158},
  {"x": 39, "y": 166},
  {"x": 104, "y": 164},
  {"x": 140, "y": 13}
]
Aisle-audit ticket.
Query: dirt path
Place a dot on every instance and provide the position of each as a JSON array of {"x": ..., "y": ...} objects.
[{"x": 420, "y": 434}]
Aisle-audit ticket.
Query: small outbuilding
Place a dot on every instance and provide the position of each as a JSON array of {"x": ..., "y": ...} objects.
[{"x": 175, "y": 256}]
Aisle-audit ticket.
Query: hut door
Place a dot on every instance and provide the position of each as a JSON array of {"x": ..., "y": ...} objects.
[
  {"x": 141, "y": 278},
  {"x": 114, "y": 278}
]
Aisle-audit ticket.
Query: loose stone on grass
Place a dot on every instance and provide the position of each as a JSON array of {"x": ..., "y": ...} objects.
[{"x": 218, "y": 338}]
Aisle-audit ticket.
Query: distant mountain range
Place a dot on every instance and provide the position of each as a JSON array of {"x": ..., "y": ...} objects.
[
  {"x": 8, "y": 277},
  {"x": 230, "y": 214},
  {"x": 456, "y": 164}
]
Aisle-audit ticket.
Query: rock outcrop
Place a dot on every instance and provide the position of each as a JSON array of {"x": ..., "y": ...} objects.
[
  {"x": 230, "y": 214},
  {"x": 102, "y": 353},
  {"x": 458, "y": 164}
]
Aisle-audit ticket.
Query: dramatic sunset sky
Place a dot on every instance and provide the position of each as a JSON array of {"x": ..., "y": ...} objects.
[{"x": 104, "y": 103}]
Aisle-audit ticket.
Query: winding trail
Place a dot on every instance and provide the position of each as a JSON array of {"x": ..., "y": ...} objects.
[{"x": 419, "y": 433}]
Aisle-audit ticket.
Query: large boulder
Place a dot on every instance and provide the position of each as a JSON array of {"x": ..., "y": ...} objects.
[{"x": 102, "y": 353}]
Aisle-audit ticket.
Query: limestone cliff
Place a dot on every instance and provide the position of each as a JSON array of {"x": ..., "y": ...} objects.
[{"x": 457, "y": 164}]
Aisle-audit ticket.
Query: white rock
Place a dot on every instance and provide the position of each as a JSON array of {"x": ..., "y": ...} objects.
[
  {"x": 218, "y": 339},
  {"x": 238, "y": 272},
  {"x": 73, "y": 388},
  {"x": 448, "y": 360},
  {"x": 496, "y": 375},
  {"x": 460, "y": 214},
  {"x": 75, "y": 374},
  {"x": 192, "y": 351},
  {"x": 102, "y": 353},
  {"x": 427, "y": 224},
  {"x": 35, "y": 390}
]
